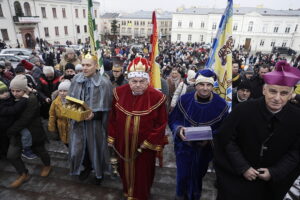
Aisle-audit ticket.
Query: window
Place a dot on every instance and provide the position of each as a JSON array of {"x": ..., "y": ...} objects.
[
  {"x": 46, "y": 30},
  {"x": 54, "y": 12},
  {"x": 143, "y": 23},
  {"x": 250, "y": 26},
  {"x": 178, "y": 37},
  {"x": 214, "y": 26},
  {"x": 262, "y": 42},
  {"x": 76, "y": 13},
  {"x": 129, "y": 30},
  {"x": 64, "y": 12},
  {"x": 202, "y": 25},
  {"x": 191, "y": 24},
  {"x": 123, "y": 30},
  {"x": 287, "y": 29},
  {"x": 56, "y": 31},
  {"x": 78, "y": 28},
  {"x": 189, "y": 38},
  {"x": 179, "y": 24},
  {"x": 201, "y": 38},
  {"x": 284, "y": 44},
  {"x": 142, "y": 31},
  {"x": 95, "y": 13},
  {"x": 272, "y": 43},
  {"x": 124, "y": 23},
  {"x": 66, "y": 30},
  {"x": 18, "y": 9},
  {"x": 1, "y": 12},
  {"x": 44, "y": 12},
  {"x": 4, "y": 34},
  {"x": 83, "y": 13},
  {"x": 149, "y": 31},
  {"x": 296, "y": 27},
  {"x": 136, "y": 31},
  {"x": 265, "y": 28},
  {"x": 276, "y": 29},
  {"x": 85, "y": 28},
  {"x": 27, "y": 9},
  {"x": 235, "y": 27}
]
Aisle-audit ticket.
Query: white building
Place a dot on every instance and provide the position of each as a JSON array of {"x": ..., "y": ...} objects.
[
  {"x": 105, "y": 23},
  {"x": 53, "y": 20},
  {"x": 258, "y": 29},
  {"x": 138, "y": 24}
]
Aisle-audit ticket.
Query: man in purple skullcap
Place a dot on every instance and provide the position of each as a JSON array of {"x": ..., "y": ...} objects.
[{"x": 257, "y": 147}]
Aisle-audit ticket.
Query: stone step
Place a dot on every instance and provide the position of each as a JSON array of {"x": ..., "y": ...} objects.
[
  {"x": 164, "y": 189},
  {"x": 9, "y": 194}
]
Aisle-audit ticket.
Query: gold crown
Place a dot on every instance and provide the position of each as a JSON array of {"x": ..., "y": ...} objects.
[
  {"x": 139, "y": 64},
  {"x": 90, "y": 56}
]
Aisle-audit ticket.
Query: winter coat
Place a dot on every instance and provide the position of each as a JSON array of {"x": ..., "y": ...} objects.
[
  {"x": 30, "y": 119},
  {"x": 252, "y": 136},
  {"x": 58, "y": 123}
]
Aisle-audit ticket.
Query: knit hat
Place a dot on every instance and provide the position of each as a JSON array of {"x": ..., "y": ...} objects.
[
  {"x": 249, "y": 70},
  {"x": 27, "y": 65},
  {"x": 78, "y": 67},
  {"x": 205, "y": 76},
  {"x": 48, "y": 70},
  {"x": 65, "y": 85},
  {"x": 19, "y": 83},
  {"x": 19, "y": 69},
  {"x": 69, "y": 66},
  {"x": 3, "y": 87},
  {"x": 244, "y": 85}
]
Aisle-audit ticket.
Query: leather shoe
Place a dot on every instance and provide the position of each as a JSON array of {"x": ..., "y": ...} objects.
[
  {"x": 85, "y": 174},
  {"x": 20, "y": 180},
  {"x": 45, "y": 171}
]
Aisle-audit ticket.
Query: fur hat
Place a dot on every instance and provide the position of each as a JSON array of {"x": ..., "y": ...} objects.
[
  {"x": 65, "y": 85},
  {"x": 19, "y": 83},
  {"x": 48, "y": 70},
  {"x": 70, "y": 50}
]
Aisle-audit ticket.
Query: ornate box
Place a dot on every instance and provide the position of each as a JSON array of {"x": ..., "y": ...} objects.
[{"x": 75, "y": 109}]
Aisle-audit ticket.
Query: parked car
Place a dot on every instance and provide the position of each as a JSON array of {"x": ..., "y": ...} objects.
[
  {"x": 23, "y": 53},
  {"x": 12, "y": 58},
  {"x": 283, "y": 50}
]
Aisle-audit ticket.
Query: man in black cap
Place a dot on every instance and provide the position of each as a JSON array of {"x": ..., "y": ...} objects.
[{"x": 243, "y": 93}]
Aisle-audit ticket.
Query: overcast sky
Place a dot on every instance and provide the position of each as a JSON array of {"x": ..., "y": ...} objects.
[{"x": 171, "y": 5}]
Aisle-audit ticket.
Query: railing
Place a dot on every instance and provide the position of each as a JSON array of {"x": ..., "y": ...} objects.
[{"x": 27, "y": 20}]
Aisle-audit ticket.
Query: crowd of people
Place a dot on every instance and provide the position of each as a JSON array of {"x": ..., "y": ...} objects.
[{"x": 255, "y": 148}]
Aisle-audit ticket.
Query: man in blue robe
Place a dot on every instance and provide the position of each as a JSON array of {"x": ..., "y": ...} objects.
[
  {"x": 199, "y": 108},
  {"x": 88, "y": 146}
]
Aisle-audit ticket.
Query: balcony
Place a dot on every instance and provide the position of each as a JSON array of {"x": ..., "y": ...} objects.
[{"x": 26, "y": 20}]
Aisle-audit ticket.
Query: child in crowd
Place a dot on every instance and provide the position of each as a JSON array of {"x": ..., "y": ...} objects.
[
  {"x": 10, "y": 109},
  {"x": 58, "y": 123}
]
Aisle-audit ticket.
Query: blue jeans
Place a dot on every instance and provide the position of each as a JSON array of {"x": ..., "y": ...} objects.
[{"x": 26, "y": 138}]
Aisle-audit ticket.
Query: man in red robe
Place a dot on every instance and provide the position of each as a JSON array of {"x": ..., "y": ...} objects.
[{"x": 136, "y": 129}]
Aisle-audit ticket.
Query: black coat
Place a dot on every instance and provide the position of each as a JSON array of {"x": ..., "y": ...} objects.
[
  {"x": 30, "y": 119},
  {"x": 256, "y": 87},
  {"x": 9, "y": 111},
  {"x": 238, "y": 147}
]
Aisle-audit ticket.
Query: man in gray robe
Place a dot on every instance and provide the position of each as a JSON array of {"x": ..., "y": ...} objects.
[{"x": 88, "y": 138}]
